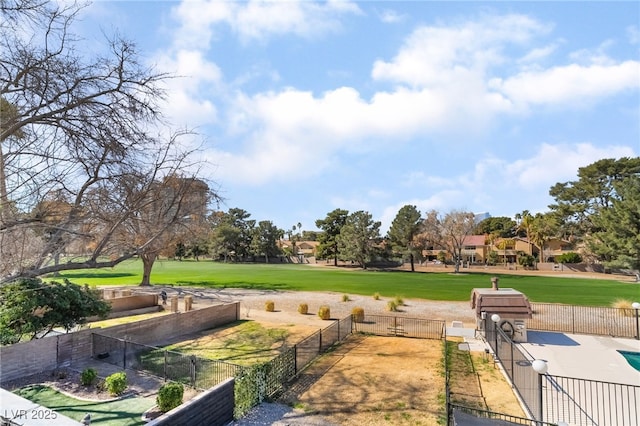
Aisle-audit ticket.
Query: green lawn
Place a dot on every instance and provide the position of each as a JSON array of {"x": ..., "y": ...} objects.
[
  {"x": 123, "y": 412},
  {"x": 432, "y": 286}
]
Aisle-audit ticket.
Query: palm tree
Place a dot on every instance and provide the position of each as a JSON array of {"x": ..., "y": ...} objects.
[
  {"x": 525, "y": 221},
  {"x": 543, "y": 228}
]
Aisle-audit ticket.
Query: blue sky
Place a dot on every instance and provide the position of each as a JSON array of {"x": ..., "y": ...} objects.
[{"x": 305, "y": 107}]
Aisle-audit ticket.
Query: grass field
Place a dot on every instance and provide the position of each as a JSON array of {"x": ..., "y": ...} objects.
[
  {"x": 122, "y": 412},
  {"x": 431, "y": 286}
]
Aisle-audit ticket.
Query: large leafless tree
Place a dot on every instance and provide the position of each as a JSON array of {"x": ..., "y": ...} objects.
[{"x": 82, "y": 148}]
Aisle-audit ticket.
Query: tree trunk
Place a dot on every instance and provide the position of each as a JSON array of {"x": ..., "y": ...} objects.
[
  {"x": 413, "y": 269},
  {"x": 147, "y": 265}
]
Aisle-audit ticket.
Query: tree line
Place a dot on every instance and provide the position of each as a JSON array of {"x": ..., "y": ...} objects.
[{"x": 599, "y": 214}]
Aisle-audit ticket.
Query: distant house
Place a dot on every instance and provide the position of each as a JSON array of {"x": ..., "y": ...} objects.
[
  {"x": 475, "y": 249},
  {"x": 302, "y": 248},
  {"x": 556, "y": 247},
  {"x": 307, "y": 248}
]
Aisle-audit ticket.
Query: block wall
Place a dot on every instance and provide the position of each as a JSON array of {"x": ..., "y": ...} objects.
[
  {"x": 51, "y": 352},
  {"x": 128, "y": 303},
  {"x": 213, "y": 407}
]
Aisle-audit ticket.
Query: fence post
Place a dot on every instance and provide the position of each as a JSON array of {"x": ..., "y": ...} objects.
[
  {"x": 295, "y": 358},
  {"x": 636, "y": 307},
  {"x": 124, "y": 355},
  {"x": 192, "y": 370},
  {"x": 165, "y": 366}
]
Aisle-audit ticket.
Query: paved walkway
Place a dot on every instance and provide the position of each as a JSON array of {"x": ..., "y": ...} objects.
[{"x": 583, "y": 356}]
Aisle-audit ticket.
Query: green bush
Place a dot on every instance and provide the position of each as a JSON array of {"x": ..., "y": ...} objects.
[
  {"x": 88, "y": 376},
  {"x": 116, "y": 383},
  {"x": 392, "y": 306},
  {"x": 376, "y": 296},
  {"x": 303, "y": 308},
  {"x": 570, "y": 257},
  {"x": 399, "y": 301},
  {"x": 526, "y": 260},
  {"x": 170, "y": 396},
  {"x": 324, "y": 312},
  {"x": 345, "y": 298}
]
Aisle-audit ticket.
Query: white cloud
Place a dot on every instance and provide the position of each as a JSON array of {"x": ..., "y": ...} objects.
[
  {"x": 446, "y": 55},
  {"x": 390, "y": 16},
  {"x": 537, "y": 54},
  {"x": 444, "y": 87},
  {"x": 196, "y": 77},
  {"x": 558, "y": 163},
  {"x": 569, "y": 84},
  {"x": 259, "y": 19}
]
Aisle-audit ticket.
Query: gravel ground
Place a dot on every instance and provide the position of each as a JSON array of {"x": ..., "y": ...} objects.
[{"x": 252, "y": 305}]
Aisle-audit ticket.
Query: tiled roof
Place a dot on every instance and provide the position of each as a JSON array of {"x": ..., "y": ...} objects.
[{"x": 474, "y": 240}]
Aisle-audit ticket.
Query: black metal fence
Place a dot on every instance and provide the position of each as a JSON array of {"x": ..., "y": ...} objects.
[
  {"x": 618, "y": 322},
  {"x": 388, "y": 325},
  {"x": 589, "y": 402},
  {"x": 200, "y": 373},
  {"x": 265, "y": 380},
  {"x": 554, "y": 398}
]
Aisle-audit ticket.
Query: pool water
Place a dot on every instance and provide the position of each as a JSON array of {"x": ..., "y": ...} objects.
[{"x": 633, "y": 358}]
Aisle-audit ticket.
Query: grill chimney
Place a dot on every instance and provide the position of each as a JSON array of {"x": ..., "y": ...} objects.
[{"x": 494, "y": 283}]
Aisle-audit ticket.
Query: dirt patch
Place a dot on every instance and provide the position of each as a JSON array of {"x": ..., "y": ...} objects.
[{"x": 374, "y": 380}]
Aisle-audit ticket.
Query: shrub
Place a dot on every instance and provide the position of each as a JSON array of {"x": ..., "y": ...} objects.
[
  {"x": 357, "y": 314},
  {"x": 392, "y": 306},
  {"x": 324, "y": 312},
  {"x": 88, "y": 376},
  {"x": 170, "y": 396},
  {"x": 625, "y": 307},
  {"x": 376, "y": 296},
  {"x": 116, "y": 383},
  {"x": 570, "y": 257},
  {"x": 345, "y": 298},
  {"x": 303, "y": 308},
  {"x": 269, "y": 306},
  {"x": 399, "y": 301}
]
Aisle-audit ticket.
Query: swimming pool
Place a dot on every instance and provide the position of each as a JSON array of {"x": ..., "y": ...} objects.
[{"x": 633, "y": 358}]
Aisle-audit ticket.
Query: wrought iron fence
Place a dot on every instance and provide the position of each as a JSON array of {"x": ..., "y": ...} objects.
[
  {"x": 388, "y": 325},
  {"x": 556, "y": 398},
  {"x": 618, "y": 322},
  {"x": 459, "y": 414},
  {"x": 193, "y": 371},
  {"x": 589, "y": 402}
]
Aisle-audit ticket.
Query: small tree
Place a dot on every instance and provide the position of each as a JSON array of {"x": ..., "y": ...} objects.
[{"x": 30, "y": 308}]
